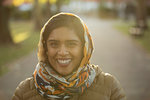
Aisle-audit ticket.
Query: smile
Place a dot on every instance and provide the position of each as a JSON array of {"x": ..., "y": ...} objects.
[{"x": 66, "y": 61}]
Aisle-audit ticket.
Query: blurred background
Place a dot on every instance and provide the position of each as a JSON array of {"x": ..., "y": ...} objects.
[{"x": 119, "y": 28}]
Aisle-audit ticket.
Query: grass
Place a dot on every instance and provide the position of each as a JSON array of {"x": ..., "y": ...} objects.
[
  {"x": 24, "y": 37},
  {"x": 144, "y": 40}
]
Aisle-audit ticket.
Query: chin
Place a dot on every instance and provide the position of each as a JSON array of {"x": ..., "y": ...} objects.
[{"x": 64, "y": 73}]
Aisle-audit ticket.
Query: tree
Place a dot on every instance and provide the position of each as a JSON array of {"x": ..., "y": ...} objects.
[
  {"x": 37, "y": 16},
  {"x": 41, "y": 13},
  {"x": 59, "y": 3},
  {"x": 46, "y": 11},
  {"x": 115, "y": 7},
  {"x": 141, "y": 10},
  {"x": 5, "y": 37}
]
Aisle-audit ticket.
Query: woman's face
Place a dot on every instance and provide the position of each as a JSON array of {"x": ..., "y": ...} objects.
[{"x": 64, "y": 50}]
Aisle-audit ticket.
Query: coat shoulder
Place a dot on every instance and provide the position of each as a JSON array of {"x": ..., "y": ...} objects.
[
  {"x": 25, "y": 90},
  {"x": 102, "y": 78},
  {"x": 112, "y": 86},
  {"x": 104, "y": 87},
  {"x": 26, "y": 84}
]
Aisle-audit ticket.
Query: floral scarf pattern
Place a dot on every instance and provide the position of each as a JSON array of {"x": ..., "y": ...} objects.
[{"x": 52, "y": 85}]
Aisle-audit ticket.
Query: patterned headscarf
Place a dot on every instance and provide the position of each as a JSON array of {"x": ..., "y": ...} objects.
[{"x": 52, "y": 85}]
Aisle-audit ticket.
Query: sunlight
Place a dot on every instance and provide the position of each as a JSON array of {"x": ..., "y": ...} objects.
[
  {"x": 21, "y": 37},
  {"x": 17, "y": 2},
  {"x": 52, "y": 1},
  {"x": 20, "y": 2},
  {"x": 44, "y": 1}
]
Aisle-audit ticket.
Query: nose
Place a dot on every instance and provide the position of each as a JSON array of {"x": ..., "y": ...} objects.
[{"x": 63, "y": 51}]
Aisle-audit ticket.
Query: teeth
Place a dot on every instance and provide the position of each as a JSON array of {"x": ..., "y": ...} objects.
[{"x": 64, "y": 61}]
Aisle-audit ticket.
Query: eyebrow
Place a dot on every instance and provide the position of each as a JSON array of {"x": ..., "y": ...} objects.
[
  {"x": 73, "y": 41},
  {"x": 66, "y": 41},
  {"x": 52, "y": 41}
]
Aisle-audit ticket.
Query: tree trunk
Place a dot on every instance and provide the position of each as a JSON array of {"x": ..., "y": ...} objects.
[
  {"x": 37, "y": 17},
  {"x": 48, "y": 5},
  {"x": 141, "y": 14},
  {"x": 5, "y": 36},
  {"x": 115, "y": 7},
  {"x": 46, "y": 11},
  {"x": 59, "y": 4}
]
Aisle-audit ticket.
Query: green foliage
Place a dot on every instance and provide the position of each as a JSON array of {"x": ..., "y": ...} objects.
[
  {"x": 105, "y": 11},
  {"x": 145, "y": 40},
  {"x": 123, "y": 26},
  {"x": 11, "y": 52},
  {"x": 22, "y": 15}
]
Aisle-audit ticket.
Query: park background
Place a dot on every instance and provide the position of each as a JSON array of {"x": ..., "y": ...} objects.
[{"x": 119, "y": 28}]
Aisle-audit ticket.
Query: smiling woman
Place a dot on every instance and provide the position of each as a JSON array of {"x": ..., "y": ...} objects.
[
  {"x": 64, "y": 71},
  {"x": 64, "y": 50}
]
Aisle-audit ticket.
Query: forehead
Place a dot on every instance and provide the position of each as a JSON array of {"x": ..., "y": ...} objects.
[{"x": 63, "y": 33}]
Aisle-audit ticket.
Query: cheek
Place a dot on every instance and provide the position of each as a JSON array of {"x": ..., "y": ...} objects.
[
  {"x": 51, "y": 53},
  {"x": 78, "y": 53}
]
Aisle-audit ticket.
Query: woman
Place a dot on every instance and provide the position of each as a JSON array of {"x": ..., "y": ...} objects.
[{"x": 64, "y": 71}]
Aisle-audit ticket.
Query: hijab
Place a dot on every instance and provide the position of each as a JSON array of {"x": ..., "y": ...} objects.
[{"x": 50, "y": 84}]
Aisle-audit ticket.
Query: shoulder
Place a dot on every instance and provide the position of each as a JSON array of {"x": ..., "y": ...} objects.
[
  {"x": 26, "y": 84},
  {"x": 107, "y": 84},
  {"x": 23, "y": 88},
  {"x": 103, "y": 78}
]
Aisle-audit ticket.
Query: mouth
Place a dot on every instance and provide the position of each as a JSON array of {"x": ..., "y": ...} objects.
[{"x": 64, "y": 62}]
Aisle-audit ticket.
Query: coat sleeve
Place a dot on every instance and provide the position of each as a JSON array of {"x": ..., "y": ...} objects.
[
  {"x": 117, "y": 92},
  {"x": 21, "y": 89}
]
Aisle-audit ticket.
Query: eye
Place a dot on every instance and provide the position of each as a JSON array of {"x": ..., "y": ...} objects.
[
  {"x": 53, "y": 44},
  {"x": 72, "y": 44}
]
